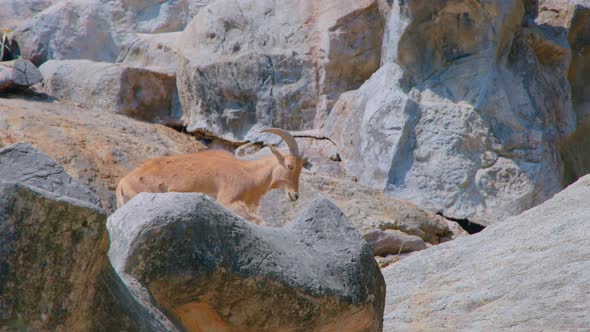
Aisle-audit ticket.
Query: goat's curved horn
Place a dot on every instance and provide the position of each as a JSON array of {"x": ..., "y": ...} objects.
[{"x": 287, "y": 137}]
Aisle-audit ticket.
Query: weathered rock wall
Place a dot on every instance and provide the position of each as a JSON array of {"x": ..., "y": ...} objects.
[{"x": 466, "y": 114}]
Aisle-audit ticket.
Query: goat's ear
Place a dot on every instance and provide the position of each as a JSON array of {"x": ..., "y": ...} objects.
[{"x": 277, "y": 154}]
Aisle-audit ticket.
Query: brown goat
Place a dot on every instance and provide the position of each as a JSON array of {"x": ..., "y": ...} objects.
[{"x": 236, "y": 184}]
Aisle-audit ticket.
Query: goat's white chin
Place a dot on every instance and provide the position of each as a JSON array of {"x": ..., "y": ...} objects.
[{"x": 293, "y": 196}]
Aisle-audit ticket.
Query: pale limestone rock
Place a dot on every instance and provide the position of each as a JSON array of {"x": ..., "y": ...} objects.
[{"x": 527, "y": 273}]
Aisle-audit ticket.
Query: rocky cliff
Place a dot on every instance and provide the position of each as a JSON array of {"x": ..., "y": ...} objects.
[{"x": 410, "y": 113}]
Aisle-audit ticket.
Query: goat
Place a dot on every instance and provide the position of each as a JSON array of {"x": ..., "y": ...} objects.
[{"x": 236, "y": 184}]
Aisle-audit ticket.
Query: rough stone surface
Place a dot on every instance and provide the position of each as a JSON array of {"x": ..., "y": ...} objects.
[
  {"x": 236, "y": 75},
  {"x": 390, "y": 242},
  {"x": 97, "y": 149},
  {"x": 373, "y": 127},
  {"x": 213, "y": 270},
  {"x": 106, "y": 87},
  {"x": 23, "y": 163},
  {"x": 55, "y": 274},
  {"x": 97, "y": 29},
  {"x": 14, "y": 12},
  {"x": 18, "y": 74},
  {"x": 54, "y": 271},
  {"x": 466, "y": 115},
  {"x": 529, "y": 272},
  {"x": 156, "y": 52},
  {"x": 575, "y": 152}
]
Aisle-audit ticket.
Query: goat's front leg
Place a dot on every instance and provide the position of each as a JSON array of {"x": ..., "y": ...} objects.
[{"x": 241, "y": 209}]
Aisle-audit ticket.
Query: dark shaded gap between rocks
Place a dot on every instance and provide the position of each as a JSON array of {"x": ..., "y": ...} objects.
[
  {"x": 468, "y": 226},
  {"x": 209, "y": 140}
]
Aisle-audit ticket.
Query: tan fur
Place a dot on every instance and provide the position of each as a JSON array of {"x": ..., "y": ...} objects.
[{"x": 237, "y": 184}]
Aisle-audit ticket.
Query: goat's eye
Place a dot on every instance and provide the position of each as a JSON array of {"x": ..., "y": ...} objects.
[{"x": 290, "y": 166}]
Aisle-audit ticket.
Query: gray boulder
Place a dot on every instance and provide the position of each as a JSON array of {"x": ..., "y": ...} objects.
[
  {"x": 466, "y": 115},
  {"x": 529, "y": 273},
  {"x": 209, "y": 269},
  {"x": 23, "y": 163},
  {"x": 106, "y": 87},
  {"x": 54, "y": 270},
  {"x": 18, "y": 74},
  {"x": 236, "y": 75}
]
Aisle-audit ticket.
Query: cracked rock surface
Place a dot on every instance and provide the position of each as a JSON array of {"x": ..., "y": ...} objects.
[{"x": 18, "y": 74}]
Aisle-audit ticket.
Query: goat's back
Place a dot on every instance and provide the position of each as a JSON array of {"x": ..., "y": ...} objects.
[{"x": 194, "y": 172}]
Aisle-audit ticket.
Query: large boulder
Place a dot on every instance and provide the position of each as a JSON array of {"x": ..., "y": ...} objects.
[
  {"x": 106, "y": 87},
  {"x": 54, "y": 271},
  {"x": 96, "y": 148},
  {"x": 97, "y": 29},
  {"x": 236, "y": 75},
  {"x": 527, "y": 273},
  {"x": 210, "y": 269},
  {"x": 466, "y": 114},
  {"x": 18, "y": 74},
  {"x": 49, "y": 252}
]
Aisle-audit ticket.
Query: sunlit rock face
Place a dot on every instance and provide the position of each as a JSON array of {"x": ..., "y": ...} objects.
[{"x": 525, "y": 273}]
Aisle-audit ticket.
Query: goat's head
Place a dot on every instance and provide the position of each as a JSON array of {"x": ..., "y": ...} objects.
[{"x": 286, "y": 175}]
